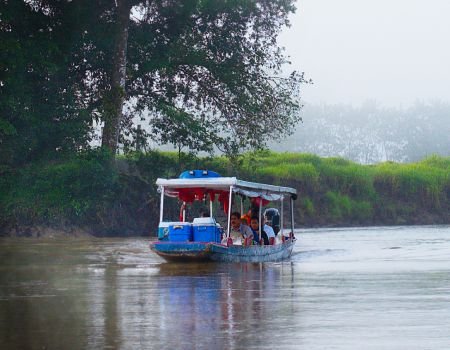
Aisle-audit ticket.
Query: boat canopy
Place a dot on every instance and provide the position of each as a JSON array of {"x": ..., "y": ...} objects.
[
  {"x": 189, "y": 189},
  {"x": 198, "y": 185}
]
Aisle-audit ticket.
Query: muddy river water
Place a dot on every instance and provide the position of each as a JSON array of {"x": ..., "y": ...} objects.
[{"x": 359, "y": 288}]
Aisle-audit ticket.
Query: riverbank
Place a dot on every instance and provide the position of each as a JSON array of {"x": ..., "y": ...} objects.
[
  {"x": 92, "y": 194},
  {"x": 43, "y": 231}
]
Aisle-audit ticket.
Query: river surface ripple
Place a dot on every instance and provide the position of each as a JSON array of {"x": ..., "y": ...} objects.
[{"x": 360, "y": 288}]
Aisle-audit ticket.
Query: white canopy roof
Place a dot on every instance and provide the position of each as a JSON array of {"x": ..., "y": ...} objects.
[{"x": 249, "y": 189}]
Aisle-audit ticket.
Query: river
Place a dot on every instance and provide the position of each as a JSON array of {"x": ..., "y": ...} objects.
[{"x": 359, "y": 288}]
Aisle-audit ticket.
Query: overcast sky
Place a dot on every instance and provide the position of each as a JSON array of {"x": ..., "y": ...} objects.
[{"x": 392, "y": 51}]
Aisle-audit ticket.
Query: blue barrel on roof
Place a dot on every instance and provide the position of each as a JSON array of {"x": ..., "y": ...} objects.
[{"x": 198, "y": 174}]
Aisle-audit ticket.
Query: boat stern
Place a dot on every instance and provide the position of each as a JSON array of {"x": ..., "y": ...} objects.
[{"x": 182, "y": 251}]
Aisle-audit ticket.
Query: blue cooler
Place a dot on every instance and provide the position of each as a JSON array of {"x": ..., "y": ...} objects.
[
  {"x": 163, "y": 231},
  {"x": 206, "y": 230},
  {"x": 180, "y": 231}
]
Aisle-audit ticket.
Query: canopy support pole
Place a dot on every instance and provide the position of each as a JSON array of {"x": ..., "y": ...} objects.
[
  {"x": 260, "y": 221},
  {"x": 292, "y": 215},
  {"x": 229, "y": 211},
  {"x": 210, "y": 208},
  {"x": 161, "y": 209},
  {"x": 281, "y": 215}
]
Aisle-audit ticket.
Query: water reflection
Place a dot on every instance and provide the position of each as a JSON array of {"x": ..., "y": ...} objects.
[{"x": 212, "y": 306}]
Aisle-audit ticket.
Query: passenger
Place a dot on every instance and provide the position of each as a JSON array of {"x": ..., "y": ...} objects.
[
  {"x": 254, "y": 225},
  {"x": 269, "y": 231},
  {"x": 238, "y": 231}
]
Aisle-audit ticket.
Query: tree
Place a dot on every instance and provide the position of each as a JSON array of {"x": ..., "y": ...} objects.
[
  {"x": 115, "y": 96},
  {"x": 211, "y": 66},
  {"x": 41, "y": 111},
  {"x": 203, "y": 74}
]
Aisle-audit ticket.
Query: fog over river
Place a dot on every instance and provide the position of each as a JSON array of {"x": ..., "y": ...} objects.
[{"x": 359, "y": 288}]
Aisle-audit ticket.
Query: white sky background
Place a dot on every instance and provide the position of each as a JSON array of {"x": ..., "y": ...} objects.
[{"x": 394, "y": 52}]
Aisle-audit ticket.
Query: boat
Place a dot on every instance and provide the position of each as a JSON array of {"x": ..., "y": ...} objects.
[{"x": 204, "y": 239}]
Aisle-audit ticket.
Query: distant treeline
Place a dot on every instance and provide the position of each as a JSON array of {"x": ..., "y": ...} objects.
[
  {"x": 99, "y": 194},
  {"x": 371, "y": 134}
]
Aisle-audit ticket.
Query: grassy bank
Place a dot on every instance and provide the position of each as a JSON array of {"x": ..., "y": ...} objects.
[
  {"x": 335, "y": 191},
  {"x": 98, "y": 194}
]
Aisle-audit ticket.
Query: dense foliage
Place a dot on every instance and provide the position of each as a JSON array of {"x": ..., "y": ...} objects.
[
  {"x": 202, "y": 74},
  {"x": 40, "y": 114},
  {"x": 88, "y": 192}
]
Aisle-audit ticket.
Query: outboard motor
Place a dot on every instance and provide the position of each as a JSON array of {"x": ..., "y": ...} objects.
[{"x": 272, "y": 217}]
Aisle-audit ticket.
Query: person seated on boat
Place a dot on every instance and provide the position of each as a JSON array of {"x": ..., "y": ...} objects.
[
  {"x": 269, "y": 231},
  {"x": 238, "y": 231},
  {"x": 254, "y": 225}
]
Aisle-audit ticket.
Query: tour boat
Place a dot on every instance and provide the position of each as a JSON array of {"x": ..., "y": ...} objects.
[{"x": 206, "y": 239}]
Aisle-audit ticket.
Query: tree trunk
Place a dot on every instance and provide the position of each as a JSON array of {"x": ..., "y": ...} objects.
[{"x": 114, "y": 99}]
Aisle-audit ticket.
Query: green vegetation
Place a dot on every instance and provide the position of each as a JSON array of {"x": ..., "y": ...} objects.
[
  {"x": 67, "y": 67},
  {"x": 119, "y": 197},
  {"x": 200, "y": 75}
]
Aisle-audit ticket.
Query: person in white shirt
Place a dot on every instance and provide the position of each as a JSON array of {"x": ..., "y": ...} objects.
[
  {"x": 269, "y": 231},
  {"x": 239, "y": 232}
]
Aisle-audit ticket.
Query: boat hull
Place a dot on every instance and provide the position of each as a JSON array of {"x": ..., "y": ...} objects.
[
  {"x": 193, "y": 251},
  {"x": 182, "y": 251},
  {"x": 265, "y": 253}
]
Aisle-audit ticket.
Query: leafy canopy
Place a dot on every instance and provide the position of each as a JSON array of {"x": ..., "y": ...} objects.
[
  {"x": 211, "y": 69},
  {"x": 201, "y": 74}
]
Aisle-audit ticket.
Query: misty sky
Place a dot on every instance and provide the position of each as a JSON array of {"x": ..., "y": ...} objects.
[{"x": 395, "y": 52}]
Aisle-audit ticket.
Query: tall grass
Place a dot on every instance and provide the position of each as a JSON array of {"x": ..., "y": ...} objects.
[
  {"x": 426, "y": 181},
  {"x": 120, "y": 195},
  {"x": 339, "y": 190}
]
